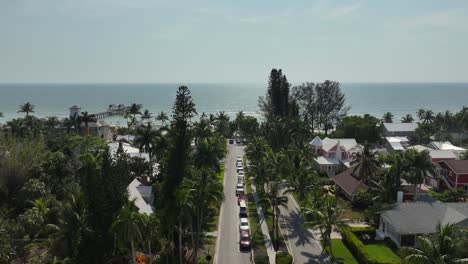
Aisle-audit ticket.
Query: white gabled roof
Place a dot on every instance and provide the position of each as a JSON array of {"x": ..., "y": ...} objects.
[
  {"x": 447, "y": 145},
  {"x": 397, "y": 139},
  {"x": 316, "y": 142},
  {"x": 321, "y": 160},
  {"x": 400, "y": 127},
  {"x": 131, "y": 151},
  {"x": 347, "y": 143},
  {"x": 134, "y": 193}
]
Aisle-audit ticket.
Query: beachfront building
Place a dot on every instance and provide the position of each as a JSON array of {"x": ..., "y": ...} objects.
[
  {"x": 404, "y": 222},
  {"x": 128, "y": 149},
  {"x": 396, "y": 143},
  {"x": 334, "y": 154},
  {"x": 99, "y": 128},
  {"x": 398, "y": 129}
]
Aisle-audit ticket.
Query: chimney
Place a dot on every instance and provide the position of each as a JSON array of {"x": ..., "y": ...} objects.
[{"x": 399, "y": 197}]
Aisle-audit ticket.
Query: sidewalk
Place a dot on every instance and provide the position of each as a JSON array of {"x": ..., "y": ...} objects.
[
  {"x": 266, "y": 235},
  {"x": 304, "y": 246}
]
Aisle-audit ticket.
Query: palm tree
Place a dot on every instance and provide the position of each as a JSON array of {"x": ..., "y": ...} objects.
[
  {"x": 419, "y": 165},
  {"x": 325, "y": 218},
  {"x": 146, "y": 115},
  {"x": 72, "y": 226},
  {"x": 134, "y": 110},
  {"x": 145, "y": 139},
  {"x": 206, "y": 190},
  {"x": 421, "y": 113},
  {"x": 26, "y": 108},
  {"x": 87, "y": 118},
  {"x": 276, "y": 200},
  {"x": 162, "y": 117},
  {"x": 127, "y": 226},
  {"x": 435, "y": 249},
  {"x": 428, "y": 117},
  {"x": 301, "y": 178},
  {"x": 365, "y": 164},
  {"x": 408, "y": 118},
  {"x": 387, "y": 117},
  {"x": 150, "y": 227}
]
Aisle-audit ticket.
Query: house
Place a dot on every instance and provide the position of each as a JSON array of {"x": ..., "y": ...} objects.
[
  {"x": 398, "y": 129},
  {"x": 436, "y": 154},
  {"x": 396, "y": 143},
  {"x": 128, "y": 149},
  {"x": 447, "y": 145},
  {"x": 143, "y": 196},
  {"x": 349, "y": 184},
  {"x": 455, "y": 172},
  {"x": 99, "y": 128},
  {"x": 334, "y": 154},
  {"x": 405, "y": 221}
]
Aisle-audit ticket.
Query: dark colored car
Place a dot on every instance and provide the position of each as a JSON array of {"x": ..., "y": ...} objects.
[
  {"x": 231, "y": 141},
  {"x": 244, "y": 242}
]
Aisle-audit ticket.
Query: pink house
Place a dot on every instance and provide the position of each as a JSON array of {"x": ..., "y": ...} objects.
[{"x": 334, "y": 154}]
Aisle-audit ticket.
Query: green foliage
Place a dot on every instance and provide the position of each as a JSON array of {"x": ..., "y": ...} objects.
[
  {"x": 362, "y": 199},
  {"x": 391, "y": 244},
  {"x": 361, "y": 252},
  {"x": 451, "y": 195},
  {"x": 283, "y": 258},
  {"x": 363, "y": 128},
  {"x": 261, "y": 260},
  {"x": 341, "y": 252}
]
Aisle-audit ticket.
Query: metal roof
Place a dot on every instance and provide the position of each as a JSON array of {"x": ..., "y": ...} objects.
[{"x": 400, "y": 127}]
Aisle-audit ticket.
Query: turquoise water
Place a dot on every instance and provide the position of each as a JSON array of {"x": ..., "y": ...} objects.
[{"x": 373, "y": 98}]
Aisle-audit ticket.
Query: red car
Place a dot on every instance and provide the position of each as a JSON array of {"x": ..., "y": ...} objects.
[
  {"x": 244, "y": 242},
  {"x": 241, "y": 198}
]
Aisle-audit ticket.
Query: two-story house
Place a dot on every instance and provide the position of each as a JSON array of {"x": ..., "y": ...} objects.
[
  {"x": 455, "y": 172},
  {"x": 334, "y": 154}
]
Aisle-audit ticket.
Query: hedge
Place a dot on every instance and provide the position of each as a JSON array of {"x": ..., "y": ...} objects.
[
  {"x": 261, "y": 260},
  {"x": 357, "y": 248},
  {"x": 283, "y": 258}
]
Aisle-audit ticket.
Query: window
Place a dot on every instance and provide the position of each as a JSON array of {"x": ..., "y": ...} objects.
[{"x": 466, "y": 187}]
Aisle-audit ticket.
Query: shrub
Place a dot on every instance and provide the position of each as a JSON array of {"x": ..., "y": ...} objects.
[
  {"x": 261, "y": 260},
  {"x": 357, "y": 248},
  {"x": 367, "y": 231},
  {"x": 391, "y": 244},
  {"x": 283, "y": 258}
]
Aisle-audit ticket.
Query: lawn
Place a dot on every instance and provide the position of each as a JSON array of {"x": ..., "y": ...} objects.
[
  {"x": 382, "y": 252},
  {"x": 349, "y": 212},
  {"x": 340, "y": 251}
]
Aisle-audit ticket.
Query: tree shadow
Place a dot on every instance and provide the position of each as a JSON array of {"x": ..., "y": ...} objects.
[{"x": 294, "y": 223}]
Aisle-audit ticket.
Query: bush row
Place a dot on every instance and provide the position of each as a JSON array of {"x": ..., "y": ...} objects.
[
  {"x": 283, "y": 258},
  {"x": 358, "y": 249}
]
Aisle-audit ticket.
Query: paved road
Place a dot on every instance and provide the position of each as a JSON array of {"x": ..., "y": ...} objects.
[
  {"x": 304, "y": 247},
  {"x": 227, "y": 246}
]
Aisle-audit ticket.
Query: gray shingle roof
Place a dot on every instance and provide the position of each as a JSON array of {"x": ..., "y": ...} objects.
[
  {"x": 400, "y": 127},
  {"x": 423, "y": 218}
]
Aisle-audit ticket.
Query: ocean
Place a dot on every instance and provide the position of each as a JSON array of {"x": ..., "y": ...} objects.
[{"x": 371, "y": 98}]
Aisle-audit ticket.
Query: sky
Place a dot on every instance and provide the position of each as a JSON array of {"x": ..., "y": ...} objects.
[{"x": 240, "y": 41}]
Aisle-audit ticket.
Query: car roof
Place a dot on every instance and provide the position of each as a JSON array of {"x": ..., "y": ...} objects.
[
  {"x": 242, "y": 204},
  {"x": 244, "y": 220},
  {"x": 245, "y": 234}
]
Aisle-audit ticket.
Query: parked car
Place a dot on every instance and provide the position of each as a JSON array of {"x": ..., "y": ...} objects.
[
  {"x": 240, "y": 191},
  {"x": 238, "y": 141},
  {"x": 244, "y": 242},
  {"x": 240, "y": 180},
  {"x": 244, "y": 224},
  {"x": 243, "y": 209},
  {"x": 231, "y": 141},
  {"x": 241, "y": 198},
  {"x": 239, "y": 159}
]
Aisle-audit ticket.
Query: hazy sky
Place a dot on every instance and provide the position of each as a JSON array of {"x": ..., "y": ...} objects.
[{"x": 233, "y": 41}]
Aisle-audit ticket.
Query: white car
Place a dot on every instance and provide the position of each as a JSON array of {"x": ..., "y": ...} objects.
[
  {"x": 239, "y": 185},
  {"x": 244, "y": 224},
  {"x": 239, "y": 159},
  {"x": 240, "y": 180}
]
